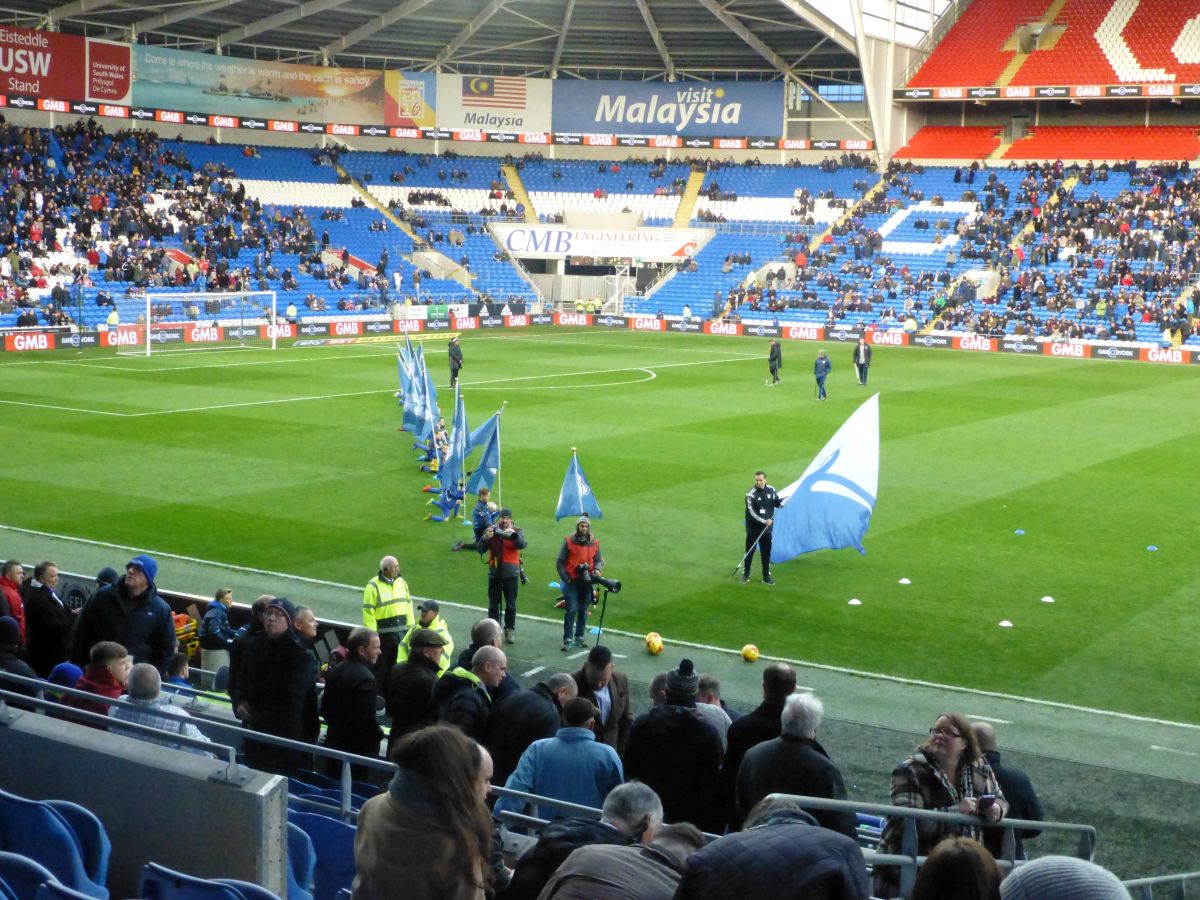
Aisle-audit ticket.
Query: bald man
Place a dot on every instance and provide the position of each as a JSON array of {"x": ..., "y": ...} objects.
[
  {"x": 463, "y": 697},
  {"x": 388, "y": 611},
  {"x": 1018, "y": 790}
]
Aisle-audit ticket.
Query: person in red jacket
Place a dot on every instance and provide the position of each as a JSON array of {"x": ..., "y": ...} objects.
[
  {"x": 503, "y": 541},
  {"x": 106, "y": 673},
  {"x": 578, "y": 549},
  {"x": 10, "y": 594}
]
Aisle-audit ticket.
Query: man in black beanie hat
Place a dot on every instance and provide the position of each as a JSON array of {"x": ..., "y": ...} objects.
[{"x": 678, "y": 754}]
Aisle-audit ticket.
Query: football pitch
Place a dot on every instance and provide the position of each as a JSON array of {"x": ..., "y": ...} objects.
[{"x": 1006, "y": 482}]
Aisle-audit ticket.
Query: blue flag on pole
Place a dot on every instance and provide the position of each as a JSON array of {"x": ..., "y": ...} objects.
[
  {"x": 483, "y": 434},
  {"x": 414, "y": 398},
  {"x": 830, "y": 505},
  {"x": 427, "y": 412},
  {"x": 451, "y": 471},
  {"x": 576, "y": 497},
  {"x": 488, "y": 466}
]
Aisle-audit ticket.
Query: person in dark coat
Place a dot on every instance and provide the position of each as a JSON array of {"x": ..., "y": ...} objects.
[
  {"x": 456, "y": 360},
  {"x": 760, "y": 724},
  {"x": 409, "y": 690},
  {"x": 518, "y": 719},
  {"x": 47, "y": 620},
  {"x": 279, "y": 676},
  {"x": 11, "y": 656},
  {"x": 638, "y": 872},
  {"x": 461, "y": 696},
  {"x": 348, "y": 704},
  {"x": 238, "y": 651},
  {"x": 774, "y": 363},
  {"x": 673, "y": 750},
  {"x": 794, "y": 763},
  {"x": 1018, "y": 790},
  {"x": 608, "y": 690},
  {"x": 487, "y": 633},
  {"x": 131, "y": 613},
  {"x": 632, "y": 814},
  {"x": 782, "y": 855}
]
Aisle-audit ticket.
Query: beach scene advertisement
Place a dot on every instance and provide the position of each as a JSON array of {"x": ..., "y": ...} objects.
[{"x": 221, "y": 85}]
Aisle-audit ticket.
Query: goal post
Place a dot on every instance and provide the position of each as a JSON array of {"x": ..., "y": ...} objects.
[{"x": 239, "y": 313}]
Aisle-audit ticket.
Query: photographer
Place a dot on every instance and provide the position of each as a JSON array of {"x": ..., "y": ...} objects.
[
  {"x": 578, "y": 560},
  {"x": 503, "y": 542}
]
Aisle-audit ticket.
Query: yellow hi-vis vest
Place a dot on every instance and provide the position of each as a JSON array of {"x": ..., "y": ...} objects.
[
  {"x": 438, "y": 625},
  {"x": 387, "y": 608}
]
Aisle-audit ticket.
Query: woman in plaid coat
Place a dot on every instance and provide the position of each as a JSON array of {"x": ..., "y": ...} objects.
[{"x": 947, "y": 773}]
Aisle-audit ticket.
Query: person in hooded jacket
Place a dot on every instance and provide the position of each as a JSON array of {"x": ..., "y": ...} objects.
[
  {"x": 280, "y": 674},
  {"x": 131, "y": 613},
  {"x": 105, "y": 676},
  {"x": 47, "y": 620}
]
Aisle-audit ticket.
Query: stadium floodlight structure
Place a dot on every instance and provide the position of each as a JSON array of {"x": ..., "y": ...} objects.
[{"x": 239, "y": 314}]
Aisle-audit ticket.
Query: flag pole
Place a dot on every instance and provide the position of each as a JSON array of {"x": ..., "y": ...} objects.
[
  {"x": 500, "y": 453},
  {"x": 578, "y": 486}
]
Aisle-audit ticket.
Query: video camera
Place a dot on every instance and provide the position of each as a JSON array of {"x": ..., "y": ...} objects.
[{"x": 609, "y": 584}]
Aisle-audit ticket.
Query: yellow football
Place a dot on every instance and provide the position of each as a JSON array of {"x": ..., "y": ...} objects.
[
  {"x": 654, "y": 643},
  {"x": 749, "y": 653}
]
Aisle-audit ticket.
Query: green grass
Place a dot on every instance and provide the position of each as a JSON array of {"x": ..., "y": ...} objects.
[{"x": 1093, "y": 460}]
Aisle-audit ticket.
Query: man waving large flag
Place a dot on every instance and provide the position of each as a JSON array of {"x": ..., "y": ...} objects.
[{"x": 830, "y": 505}]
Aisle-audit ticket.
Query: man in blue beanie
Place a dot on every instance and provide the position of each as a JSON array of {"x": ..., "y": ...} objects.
[{"x": 130, "y": 613}]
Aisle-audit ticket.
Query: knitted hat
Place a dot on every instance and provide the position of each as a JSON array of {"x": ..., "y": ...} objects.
[
  {"x": 65, "y": 674},
  {"x": 107, "y": 575},
  {"x": 505, "y": 513},
  {"x": 1062, "y": 878},
  {"x": 289, "y": 608},
  {"x": 683, "y": 681},
  {"x": 147, "y": 564},
  {"x": 10, "y": 632},
  {"x": 583, "y": 520}
]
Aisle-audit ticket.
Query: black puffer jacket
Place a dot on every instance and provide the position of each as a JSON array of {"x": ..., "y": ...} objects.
[{"x": 554, "y": 845}]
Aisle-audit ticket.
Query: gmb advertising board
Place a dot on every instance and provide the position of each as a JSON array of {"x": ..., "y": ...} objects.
[{"x": 714, "y": 108}]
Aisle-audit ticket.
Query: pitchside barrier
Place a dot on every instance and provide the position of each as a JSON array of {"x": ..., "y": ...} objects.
[{"x": 378, "y": 329}]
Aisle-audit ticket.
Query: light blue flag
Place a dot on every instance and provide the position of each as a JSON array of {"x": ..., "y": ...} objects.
[
  {"x": 427, "y": 412},
  {"x": 451, "y": 471},
  {"x": 830, "y": 505},
  {"x": 488, "y": 466},
  {"x": 404, "y": 370},
  {"x": 576, "y": 497},
  {"x": 483, "y": 434}
]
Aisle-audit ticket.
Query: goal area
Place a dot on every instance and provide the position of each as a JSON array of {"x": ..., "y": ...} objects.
[{"x": 173, "y": 320}]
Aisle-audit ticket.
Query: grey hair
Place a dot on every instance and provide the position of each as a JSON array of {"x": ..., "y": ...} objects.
[
  {"x": 560, "y": 681},
  {"x": 144, "y": 682},
  {"x": 632, "y": 808},
  {"x": 802, "y": 715}
]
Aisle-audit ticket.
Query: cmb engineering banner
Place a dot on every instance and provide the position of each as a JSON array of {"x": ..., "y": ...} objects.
[{"x": 557, "y": 242}]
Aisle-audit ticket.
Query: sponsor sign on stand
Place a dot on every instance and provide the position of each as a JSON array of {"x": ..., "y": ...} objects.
[
  {"x": 684, "y": 326},
  {"x": 167, "y": 335},
  {"x": 240, "y": 332},
  {"x": 410, "y": 326},
  {"x": 516, "y": 321},
  {"x": 1173, "y": 355},
  {"x": 312, "y": 329},
  {"x": 844, "y": 333},
  {"x": 342, "y": 327},
  {"x": 22, "y": 341},
  {"x": 803, "y": 332},
  {"x": 122, "y": 337},
  {"x": 437, "y": 324},
  {"x": 1019, "y": 345},
  {"x": 728, "y": 328},
  {"x": 609, "y": 321},
  {"x": 202, "y": 334},
  {"x": 762, "y": 330},
  {"x": 377, "y": 327},
  {"x": 464, "y": 323},
  {"x": 491, "y": 322},
  {"x": 646, "y": 323},
  {"x": 930, "y": 340},
  {"x": 975, "y": 342},
  {"x": 572, "y": 319},
  {"x": 887, "y": 338},
  {"x": 79, "y": 339},
  {"x": 1071, "y": 349},
  {"x": 542, "y": 319},
  {"x": 1115, "y": 352}
]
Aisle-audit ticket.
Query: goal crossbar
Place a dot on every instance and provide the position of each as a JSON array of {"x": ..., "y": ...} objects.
[{"x": 240, "y": 310}]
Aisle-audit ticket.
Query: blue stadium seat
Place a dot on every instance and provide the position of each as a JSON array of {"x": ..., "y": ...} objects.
[
  {"x": 52, "y": 890},
  {"x": 248, "y": 890},
  {"x": 93, "y": 839},
  {"x": 22, "y": 875},
  {"x": 333, "y": 841},
  {"x": 160, "y": 883},
  {"x": 302, "y": 862},
  {"x": 35, "y": 830}
]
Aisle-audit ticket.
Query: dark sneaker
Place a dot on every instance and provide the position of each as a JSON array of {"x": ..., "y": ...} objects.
[
  {"x": 566, "y": 646},
  {"x": 767, "y": 579},
  {"x": 745, "y": 579},
  {"x": 508, "y": 636},
  {"x": 580, "y": 642}
]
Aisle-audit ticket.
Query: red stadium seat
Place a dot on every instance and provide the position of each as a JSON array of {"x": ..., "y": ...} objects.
[
  {"x": 1160, "y": 142},
  {"x": 972, "y": 52},
  {"x": 950, "y": 142}
]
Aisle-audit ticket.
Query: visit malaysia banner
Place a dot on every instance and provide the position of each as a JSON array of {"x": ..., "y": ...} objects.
[
  {"x": 42, "y": 64},
  {"x": 556, "y": 242},
  {"x": 712, "y": 109},
  {"x": 493, "y": 103},
  {"x": 259, "y": 90}
]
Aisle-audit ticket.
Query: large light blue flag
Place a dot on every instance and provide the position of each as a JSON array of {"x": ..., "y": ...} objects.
[
  {"x": 488, "y": 467},
  {"x": 427, "y": 412},
  {"x": 413, "y": 400},
  {"x": 483, "y": 434},
  {"x": 830, "y": 505},
  {"x": 576, "y": 497},
  {"x": 451, "y": 471}
]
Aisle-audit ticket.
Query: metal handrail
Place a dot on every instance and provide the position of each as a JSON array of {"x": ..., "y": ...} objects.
[{"x": 1144, "y": 887}]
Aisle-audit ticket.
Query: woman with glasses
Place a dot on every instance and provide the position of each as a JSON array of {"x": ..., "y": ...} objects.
[{"x": 947, "y": 773}]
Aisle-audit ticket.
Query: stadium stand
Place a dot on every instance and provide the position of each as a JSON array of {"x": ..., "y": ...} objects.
[
  {"x": 976, "y": 49},
  {"x": 951, "y": 142},
  {"x": 1084, "y": 142}
]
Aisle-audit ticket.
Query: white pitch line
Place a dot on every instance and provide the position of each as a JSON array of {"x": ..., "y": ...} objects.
[
  {"x": 1173, "y": 750},
  {"x": 533, "y": 671},
  {"x": 577, "y": 655},
  {"x": 975, "y": 718},
  {"x": 168, "y": 412},
  {"x": 844, "y": 670},
  {"x": 94, "y": 412}
]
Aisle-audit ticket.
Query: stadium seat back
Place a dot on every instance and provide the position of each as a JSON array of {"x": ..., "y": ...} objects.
[
  {"x": 35, "y": 830},
  {"x": 22, "y": 875},
  {"x": 248, "y": 889},
  {"x": 160, "y": 883},
  {"x": 302, "y": 862},
  {"x": 52, "y": 890},
  {"x": 93, "y": 839},
  {"x": 333, "y": 841}
]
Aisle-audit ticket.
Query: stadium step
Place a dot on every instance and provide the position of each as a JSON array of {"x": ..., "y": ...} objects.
[
  {"x": 999, "y": 152},
  {"x": 818, "y": 240},
  {"x": 1068, "y": 186},
  {"x": 1049, "y": 38},
  {"x": 517, "y": 186},
  {"x": 687, "y": 203}
]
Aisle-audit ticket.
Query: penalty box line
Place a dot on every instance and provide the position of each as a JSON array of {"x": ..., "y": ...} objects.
[{"x": 844, "y": 670}]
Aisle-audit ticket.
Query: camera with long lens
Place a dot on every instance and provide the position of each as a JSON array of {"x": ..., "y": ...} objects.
[{"x": 609, "y": 584}]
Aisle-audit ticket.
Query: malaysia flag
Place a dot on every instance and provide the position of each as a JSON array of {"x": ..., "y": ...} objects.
[{"x": 508, "y": 93}]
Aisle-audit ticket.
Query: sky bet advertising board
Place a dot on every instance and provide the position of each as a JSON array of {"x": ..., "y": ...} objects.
[{"x": 684, "y": 108}]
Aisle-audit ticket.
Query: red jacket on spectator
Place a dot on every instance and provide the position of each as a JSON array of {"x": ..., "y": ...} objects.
[
  {"x": 96, "y": 680},
  {"x": 16, "y": 609}
]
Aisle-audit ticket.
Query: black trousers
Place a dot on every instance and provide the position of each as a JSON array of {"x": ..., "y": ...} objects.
[
  {"x": 389, "y": 646},
  {"x": 505, "y": 587},
  {"x": 764, "y": 549}
]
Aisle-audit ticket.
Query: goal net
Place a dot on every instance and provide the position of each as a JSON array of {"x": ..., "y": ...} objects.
[{"x": 175, "y": 320}]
